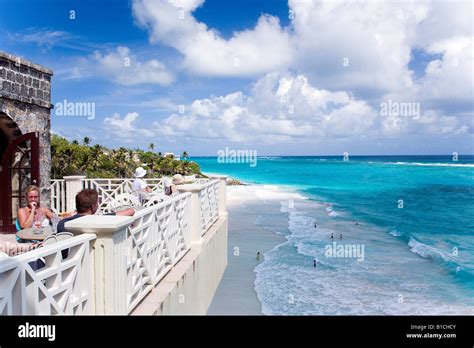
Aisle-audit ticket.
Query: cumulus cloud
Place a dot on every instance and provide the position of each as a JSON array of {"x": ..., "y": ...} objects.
[
  {"x": 450, "y": 77},
  {"x": 121, "y": 66},
  {"x": 355, "y": 44},
  {"x": 279, "y": 107},
  {"x": 325, "y": 75},
  {"x": 288, "y": 108},
  {"x": 125, "y": 128},
  {"x": 264, "y": 48},
  {"x": 126, "y": 69},
  {"x": 349, "y": 45}
]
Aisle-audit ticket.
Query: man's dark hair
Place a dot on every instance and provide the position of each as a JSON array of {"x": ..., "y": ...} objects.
[{"x": 85, "y": 200}]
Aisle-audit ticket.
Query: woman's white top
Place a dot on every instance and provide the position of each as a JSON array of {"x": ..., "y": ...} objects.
[{"x": 139, "y": 185}]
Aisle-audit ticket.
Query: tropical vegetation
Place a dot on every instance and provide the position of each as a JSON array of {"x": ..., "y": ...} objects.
[{"x": 97, "y": 161}]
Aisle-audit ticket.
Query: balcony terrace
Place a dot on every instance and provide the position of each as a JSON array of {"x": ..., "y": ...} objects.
[{"x": 166, "y": 259}]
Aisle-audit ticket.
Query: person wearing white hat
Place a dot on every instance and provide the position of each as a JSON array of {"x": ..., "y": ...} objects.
[
  {"x": 139, "y": 186},
  {"x": 170, "y": 189}
]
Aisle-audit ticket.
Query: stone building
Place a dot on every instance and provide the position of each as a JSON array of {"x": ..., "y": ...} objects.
[{"x": 25, "y": 144}]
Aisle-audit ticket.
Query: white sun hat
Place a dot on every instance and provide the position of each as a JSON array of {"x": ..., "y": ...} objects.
[
  {"x": 140, "y": 172},
  {"x": 178, "y": 179}
]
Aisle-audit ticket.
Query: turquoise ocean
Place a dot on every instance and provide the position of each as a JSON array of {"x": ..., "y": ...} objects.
[{"x": 413, "y": 216}]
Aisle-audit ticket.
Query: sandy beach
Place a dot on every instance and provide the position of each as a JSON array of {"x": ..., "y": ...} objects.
[
  {"x": 249, "y": 207},
  {"x": 280, "y": 224}
]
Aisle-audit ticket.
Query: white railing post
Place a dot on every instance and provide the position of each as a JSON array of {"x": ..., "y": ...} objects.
[
  {"x": 195, "y": 222},
  {"x": 73, "y": 186},
  {"x": 222, "y": 193},
  {"x": 110, "y": 258}
]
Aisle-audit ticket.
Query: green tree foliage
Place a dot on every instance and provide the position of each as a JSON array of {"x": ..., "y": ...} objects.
[{"x": 72, "y": 158}]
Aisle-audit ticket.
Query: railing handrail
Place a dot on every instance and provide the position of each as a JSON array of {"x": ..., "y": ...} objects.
[
  {"x": 168, "y": 201},
  {"x": 30, "y": 291},
  {"x": 137, "y": 252},
  {"x": 40, "y": 252}
]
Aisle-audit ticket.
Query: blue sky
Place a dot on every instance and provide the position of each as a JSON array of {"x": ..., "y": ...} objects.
[{"x": 283, "y": 77}]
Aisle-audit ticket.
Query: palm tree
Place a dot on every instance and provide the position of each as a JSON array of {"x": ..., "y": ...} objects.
[
  {"x": 185, "y": 154},
  {"x": 75, "y": 142},
  {"x": 87, "y": 141},
  {"x": 151, "y": 147},
  {"x": 95, "y": 158},
  {"x": 121, "y": 163}
]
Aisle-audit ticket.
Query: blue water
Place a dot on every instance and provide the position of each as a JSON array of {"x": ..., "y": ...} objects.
[{"x": 415, "y": 219}]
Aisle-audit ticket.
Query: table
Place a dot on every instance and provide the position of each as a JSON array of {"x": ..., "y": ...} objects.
[{"x": 32, "y": 233}]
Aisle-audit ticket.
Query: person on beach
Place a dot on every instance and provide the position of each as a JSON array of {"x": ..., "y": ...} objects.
[
  {"x": 33, "y": 212},
  {"x": 332, "y": 236},
  {"x": 258, "y": 256},
  {"x": 315, "y": 225},
  {"x": 314, "y": 263}
]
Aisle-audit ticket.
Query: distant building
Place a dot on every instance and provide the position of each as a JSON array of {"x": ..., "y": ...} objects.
[{"x": 176, "y": 157}]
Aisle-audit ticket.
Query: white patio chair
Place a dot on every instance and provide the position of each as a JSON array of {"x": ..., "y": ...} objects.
[
  {"x": 63, "y": 236},
  {"x": 154, "y": 199},
  {"x": 50, "y": 240},
  {"x": 123, "y": 201}
]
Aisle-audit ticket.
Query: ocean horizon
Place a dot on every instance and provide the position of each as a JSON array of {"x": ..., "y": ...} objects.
[{"x": 407, "y": 219}]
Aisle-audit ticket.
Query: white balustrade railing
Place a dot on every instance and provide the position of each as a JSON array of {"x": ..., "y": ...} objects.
[
  {"x": 58, "y": 196},
  {"x": 62, "y": 196},
  {"x": 115, "y": 261},
  {"x": 208, "y": 198},
  {"x": 136, "y": 252},
  {"x": 110, "y": 188},
  {"x": 60, "y": 286},
  {"x": 158, "y": 238}
]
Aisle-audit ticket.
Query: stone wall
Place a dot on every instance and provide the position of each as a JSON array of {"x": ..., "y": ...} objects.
[{"x": 25, "y": 96}]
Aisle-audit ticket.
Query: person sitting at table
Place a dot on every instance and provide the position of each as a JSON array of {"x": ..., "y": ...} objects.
[
  {"x": 33, "y": 211},
  {"x": 170, "y": 189},
  {"x": 139, "y": 186},
  {"x": 87, "y": 203}
]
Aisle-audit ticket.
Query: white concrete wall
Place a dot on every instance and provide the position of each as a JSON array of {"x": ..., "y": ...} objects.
[{"x": 190, "y": 286}]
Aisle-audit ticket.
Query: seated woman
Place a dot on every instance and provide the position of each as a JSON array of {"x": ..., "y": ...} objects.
[
  {"x": 170, "y": 189},
  {"x": 139, "y": 186},
  {"x": 33, "y": 211}
]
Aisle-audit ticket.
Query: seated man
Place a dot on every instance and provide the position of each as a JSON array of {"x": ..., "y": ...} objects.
[{"x": 87, "y": 203}]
